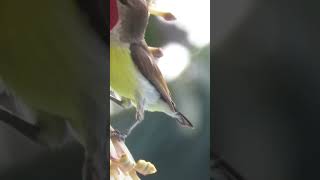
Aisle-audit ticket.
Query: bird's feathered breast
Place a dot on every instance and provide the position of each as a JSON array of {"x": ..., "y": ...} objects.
[{"x": 123, "y": 76}]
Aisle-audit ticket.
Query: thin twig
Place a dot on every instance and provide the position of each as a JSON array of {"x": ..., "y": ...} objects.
[
  {"x": 220, "y": 163},
  {"x": 29, "y": 130},
  {"x": 115, "y": 100}
]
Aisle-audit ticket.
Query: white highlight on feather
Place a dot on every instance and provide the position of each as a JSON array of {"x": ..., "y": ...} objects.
[
  {"x": 193, "y": 16},
  {"x": 147, "y": 91}
]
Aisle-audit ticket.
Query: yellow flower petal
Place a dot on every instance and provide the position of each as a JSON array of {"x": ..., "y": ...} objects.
[
  {"x": 145, "y": 168},
  {"x": 113, "y": 152},
  {"x": 126, "y": 164},
  {"x": 133, "y": 175},
  {"x": 122, "y": 164},
  {"x": 166, "y": 15},
  {"x": 156, "y": 52}
]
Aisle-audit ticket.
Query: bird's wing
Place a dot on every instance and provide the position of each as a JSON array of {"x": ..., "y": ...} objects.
[{"x": 144, "y": 61}]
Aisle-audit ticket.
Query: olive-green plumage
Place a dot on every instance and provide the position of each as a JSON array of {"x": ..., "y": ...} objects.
[
  {"x": 54, "y": 62},
  {"x": 123, "y": 73}
]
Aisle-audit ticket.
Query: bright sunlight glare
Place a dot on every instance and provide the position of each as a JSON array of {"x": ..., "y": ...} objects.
[
  {"x": 193, "y": 16},
  {"x": 175, "y": 59}
]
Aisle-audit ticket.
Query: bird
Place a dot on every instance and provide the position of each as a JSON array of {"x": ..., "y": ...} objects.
[
  {"x": 134, "y": 74},
  {"x": 53, "y": 58}
]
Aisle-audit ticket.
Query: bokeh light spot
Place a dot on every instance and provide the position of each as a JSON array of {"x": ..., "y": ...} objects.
[{"x": 176, "y": 58}]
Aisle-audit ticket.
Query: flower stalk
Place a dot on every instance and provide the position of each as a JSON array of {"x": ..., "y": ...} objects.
[{"x": 122, "y": 164}]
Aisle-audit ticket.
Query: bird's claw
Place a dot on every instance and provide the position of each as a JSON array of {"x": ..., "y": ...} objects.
[
  {"x": 118, "y": 135},
  {"x": 139, "y": 116},
  {"x": 140, "y": 112}
]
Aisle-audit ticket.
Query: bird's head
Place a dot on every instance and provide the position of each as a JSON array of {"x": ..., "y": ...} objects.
[{"x": 129, "y": 19}]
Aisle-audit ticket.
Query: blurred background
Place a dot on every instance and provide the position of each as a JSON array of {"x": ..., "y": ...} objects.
[
  {"x": 178, "y": 153},
  {"x": 26, "y": 26},
  {"x": 266, "y": 81}
]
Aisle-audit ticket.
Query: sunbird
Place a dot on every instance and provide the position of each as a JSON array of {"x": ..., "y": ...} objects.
[
  {"x": 134, "y": 74},
  {"x": 55, "y": 60}
]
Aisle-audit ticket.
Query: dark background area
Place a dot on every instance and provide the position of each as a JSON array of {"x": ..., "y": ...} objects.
[{"x": 266, "y": 88}]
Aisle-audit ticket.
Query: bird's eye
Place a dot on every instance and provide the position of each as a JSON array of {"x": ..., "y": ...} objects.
[{"x": 124, "y": 2}]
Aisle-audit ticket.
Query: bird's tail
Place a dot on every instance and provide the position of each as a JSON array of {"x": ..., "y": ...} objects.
[{"x": 183, "y": 121}]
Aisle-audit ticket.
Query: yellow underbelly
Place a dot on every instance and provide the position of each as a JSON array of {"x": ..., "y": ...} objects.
[
  {"x": 128, "y": 82},
  {"x": 123, "y": 73}
]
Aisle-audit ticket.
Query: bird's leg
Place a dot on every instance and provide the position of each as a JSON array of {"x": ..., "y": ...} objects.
[
  {"x": 139, "y": 115},
  {"x": 124, "y": 103}
]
